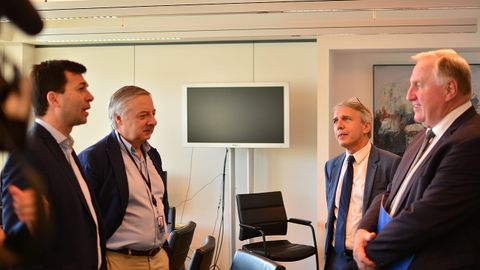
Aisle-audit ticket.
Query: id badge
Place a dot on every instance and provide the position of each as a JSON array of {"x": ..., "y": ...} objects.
[{"x": 161, "y": 223}]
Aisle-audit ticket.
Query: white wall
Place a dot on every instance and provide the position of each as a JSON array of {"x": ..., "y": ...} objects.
[
  {"x": 320, "y": 75},
  {"x": 108, "y": 69},
  {"x": 162, "y": 69}
]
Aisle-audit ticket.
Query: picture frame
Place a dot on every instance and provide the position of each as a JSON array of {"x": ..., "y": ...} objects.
[{"x": 393, "y": 125}]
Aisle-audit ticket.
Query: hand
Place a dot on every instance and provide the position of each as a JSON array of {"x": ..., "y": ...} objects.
[
  {"x": 24, "y": 205},
  {"x": 362, "y": 237},
  {"x": 7, "y": 257},
  {"x": 2, "y": 237}
]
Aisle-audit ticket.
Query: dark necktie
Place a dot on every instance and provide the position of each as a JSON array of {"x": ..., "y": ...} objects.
[
  {"x": 426, "y": 142},
  {"x": 340, "y": 229},
  {"x": 402, "y": 189}
]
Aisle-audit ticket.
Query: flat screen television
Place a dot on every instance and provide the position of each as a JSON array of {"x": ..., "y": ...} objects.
[{"x": 236, "y": 115}]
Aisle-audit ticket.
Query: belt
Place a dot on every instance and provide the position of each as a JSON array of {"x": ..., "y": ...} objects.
[
  {"x": 348, "y": 253},
  {"x": 133, "y": 252}
]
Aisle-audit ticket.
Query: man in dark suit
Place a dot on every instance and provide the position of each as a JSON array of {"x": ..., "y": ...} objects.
[
  {"x": 434, "y": 200},
  {"x": 373, "y": 169},
  {"x": 75, "y": 241},
  {"x": 130, "y": 184}
]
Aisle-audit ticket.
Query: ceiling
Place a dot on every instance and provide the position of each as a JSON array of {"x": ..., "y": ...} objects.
[{"x": 164, "y": 21}]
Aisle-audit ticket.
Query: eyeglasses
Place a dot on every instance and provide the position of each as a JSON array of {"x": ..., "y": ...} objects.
[{"x": 356, "y": 99}]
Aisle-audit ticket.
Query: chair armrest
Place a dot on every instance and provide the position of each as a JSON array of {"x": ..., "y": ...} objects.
[
  {"x": 300, "y": 221},
  {"x": 251, "y": 228},
  {"x": 258, "y": 229},
  {"x": 306, "y": 223}
]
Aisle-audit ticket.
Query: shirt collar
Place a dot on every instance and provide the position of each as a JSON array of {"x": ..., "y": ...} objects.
[
  {"x": 57, "y": 135},
  {"x": 447, "y": 121},
  {"x": 145, "y": 146},
  {"x": 360, "y": 154}
]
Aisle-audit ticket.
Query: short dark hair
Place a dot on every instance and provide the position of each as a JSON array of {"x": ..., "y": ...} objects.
[{"x": 50, "y": 76}]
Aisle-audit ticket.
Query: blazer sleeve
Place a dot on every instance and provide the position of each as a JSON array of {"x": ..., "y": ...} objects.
[
  {"x": 328, "y": 171},
  {"x": 370, "y": 219},
  {"x": 91, "y": 166},
  {"x": 18, "y": 237},
  {"x": 389, "y": 163}
]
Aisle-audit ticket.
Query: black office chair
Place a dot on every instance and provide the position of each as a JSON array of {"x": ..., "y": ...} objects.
[
  {"x": 263, "y": 214},
  {"x": 202, "y": 257},
  {"x": 244, "y": 260},
  {"x": 179, "y": 245}
]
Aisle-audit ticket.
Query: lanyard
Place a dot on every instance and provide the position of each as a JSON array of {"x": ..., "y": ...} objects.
[{"x": 147, "y": 178}]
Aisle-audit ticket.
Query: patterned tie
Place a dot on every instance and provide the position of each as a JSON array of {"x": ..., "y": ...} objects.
[
  {"x": 340, "y": 229},
  {"x": 402, "y": 190},
  {"x": 426, "y": 142}
]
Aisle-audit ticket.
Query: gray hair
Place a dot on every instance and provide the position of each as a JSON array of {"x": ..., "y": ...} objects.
[
  {"x": 119, "y": 99},
  {"x": 449, "y": 65},
  {"x": 355, "y": 104}
]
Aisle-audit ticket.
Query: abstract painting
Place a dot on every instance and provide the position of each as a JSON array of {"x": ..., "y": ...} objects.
[{"x": 394, "y": 126}]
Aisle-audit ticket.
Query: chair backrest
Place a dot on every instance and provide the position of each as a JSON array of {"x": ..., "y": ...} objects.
[
  {"x": 202, "y": 257},
  {"x": 264, "y": 209},
  {"x": 172, "y": 213},
  {"x": 179, "y": 245},
  {"x": 244, "y": 260}
]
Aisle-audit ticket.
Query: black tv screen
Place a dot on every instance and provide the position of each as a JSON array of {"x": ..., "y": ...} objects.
[{"x": 241, "y": 115}]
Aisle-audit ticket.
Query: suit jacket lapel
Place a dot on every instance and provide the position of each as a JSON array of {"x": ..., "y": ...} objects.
[
  {"x": 403, "y": 167},
  {"x": 156, "y": 163},
  {"x": 116, "y": 160},
  {"x": 335, "y": 174},
  {"x": 64, "y": 166},
  {"x": 420, "y": 170},
  {"x": 370, "y": 177},
  {"x": 459, "y": 121},
  {"x": 337, "y": 168},
  {"x": 92, "y": 195}
]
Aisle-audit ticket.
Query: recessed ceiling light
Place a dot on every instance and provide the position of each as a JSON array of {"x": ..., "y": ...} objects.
[
  {"x": 103, "y": 40},
  {"x": 80, "y": 18}
]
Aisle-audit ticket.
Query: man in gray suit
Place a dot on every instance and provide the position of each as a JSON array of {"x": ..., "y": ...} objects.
[{"x": 352, "y": 180}]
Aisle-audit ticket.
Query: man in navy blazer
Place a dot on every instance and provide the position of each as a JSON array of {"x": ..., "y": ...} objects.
[
  {"x": 75, "y": 239},
  {"x": 433, "y": 203},
  {"x": 373, "y": 170},
  {"x": 127, "y": 177}
]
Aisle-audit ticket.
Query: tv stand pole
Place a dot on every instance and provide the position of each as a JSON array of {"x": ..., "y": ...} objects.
[
  {"x": 250, "y": 170},
  {"x": 233, "y": 211},
  {"x": 250, "y": 189}
]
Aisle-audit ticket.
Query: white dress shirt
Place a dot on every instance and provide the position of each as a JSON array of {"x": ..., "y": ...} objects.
[
  {"x": 140, "y": 228},
  {"x": 358, "y": 187}
]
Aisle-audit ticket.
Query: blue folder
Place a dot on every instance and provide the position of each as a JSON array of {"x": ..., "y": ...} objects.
[{"x": 383, "y": 219}]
